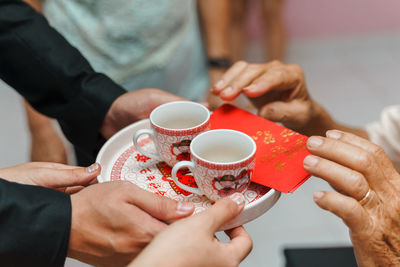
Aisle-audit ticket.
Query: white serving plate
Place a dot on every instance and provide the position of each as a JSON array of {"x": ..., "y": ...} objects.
[{"x": 121, "y": 161}]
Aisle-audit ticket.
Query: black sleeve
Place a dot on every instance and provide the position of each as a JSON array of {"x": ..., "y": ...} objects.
[
  {"x": 52, "y": 75},
  {"x": 34, "y": 225}
]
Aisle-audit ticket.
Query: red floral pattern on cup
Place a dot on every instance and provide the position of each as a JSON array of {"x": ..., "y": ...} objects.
[
  {"x": 223, "y": 180},
  {"x": 173, "y": 146}
]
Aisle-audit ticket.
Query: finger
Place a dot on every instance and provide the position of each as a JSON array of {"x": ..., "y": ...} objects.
[
  {"x": 240, "y": 244},
  {"x": 276, "y": 78},
  {"x": 243, "y": 79},
  {"x": 151, "y": 224},
  {"x": 347, "y": 208},
  {"x": 350, "y": 156},
  {"x": 222, "y": 211},
  {"x": 52, "y": 165},
  {"x": 160, "y": 207},
  {"x": 341, "y": 178},
  {"x": 229, "y": 75},
  {"x": 60, "y": 166},
  {"x": 230, "y": 93},
  {"x": 74, "y": 177},
  {"x": 293, "y": 113},
  {"x": 378, "y": 153}
]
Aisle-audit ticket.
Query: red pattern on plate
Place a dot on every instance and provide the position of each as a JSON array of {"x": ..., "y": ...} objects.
[{"x": 155, "y": 177}]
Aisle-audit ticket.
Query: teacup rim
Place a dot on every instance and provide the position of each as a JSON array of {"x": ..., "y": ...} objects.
[
  {"x": 182, "y": 129},
  {"x": 247, "y": 158}
]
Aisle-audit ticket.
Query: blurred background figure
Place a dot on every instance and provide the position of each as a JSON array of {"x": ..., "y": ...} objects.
[
  {"x": 262, "y": 20},
  {"x": 139, "y": 44}
]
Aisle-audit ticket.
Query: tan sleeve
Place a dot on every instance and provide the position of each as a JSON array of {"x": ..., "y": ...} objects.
[{"x": 386, "y": 133}]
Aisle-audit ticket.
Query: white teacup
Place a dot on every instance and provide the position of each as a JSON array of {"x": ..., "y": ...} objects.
[
  {"x": 173, "y": 127},
  {"x": 222, "y": 162}
]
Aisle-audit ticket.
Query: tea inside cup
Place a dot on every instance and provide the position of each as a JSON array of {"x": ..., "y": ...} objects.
[
  {"x": 179, "y": 115},
  {"x": 223, "y": 146}
]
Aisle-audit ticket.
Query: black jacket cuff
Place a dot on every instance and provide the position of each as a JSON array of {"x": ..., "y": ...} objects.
[{"x": 35, "y": 224}]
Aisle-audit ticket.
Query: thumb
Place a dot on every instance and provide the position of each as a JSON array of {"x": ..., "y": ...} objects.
[
  {"x": 294, "y": 113},
  {"x": 74, "y": 177},
  {"x": 159, "y": 207},
  {"x": 223, "y": 211}
]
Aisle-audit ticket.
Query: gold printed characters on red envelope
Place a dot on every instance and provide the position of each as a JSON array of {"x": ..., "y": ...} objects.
[{"x": 280, "y": 151}]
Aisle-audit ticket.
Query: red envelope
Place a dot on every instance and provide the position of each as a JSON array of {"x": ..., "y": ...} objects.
[{"x": 280, "y": 151}]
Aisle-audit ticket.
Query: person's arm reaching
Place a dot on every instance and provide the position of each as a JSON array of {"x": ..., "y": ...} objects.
[
  {"x": 280, "y": 93},
  {"x": 109, "y": 230},
  {"x": 52, "y": 75}
]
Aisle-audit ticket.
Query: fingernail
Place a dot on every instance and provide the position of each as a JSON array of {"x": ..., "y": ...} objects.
[
  {"x": 92, "y": 168},
  {"x": 317, "y": 195},
  {"x": 334, "y": 134},
  {"x": 219, "y": 84},
  {"x": 228, "y": 90},
  {"x": 250, "y": 88},
  {"x": 314, "y": 142},
  {"x": 184, "y": 207},
  {"x": 310, "y": 161},
  {"x": 237, "y": 198}
]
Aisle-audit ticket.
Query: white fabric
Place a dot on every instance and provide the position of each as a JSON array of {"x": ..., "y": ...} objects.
[{"x": 386, "y": 133}]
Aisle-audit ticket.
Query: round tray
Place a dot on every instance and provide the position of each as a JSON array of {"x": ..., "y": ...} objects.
[{"x": 121, "y": 161}]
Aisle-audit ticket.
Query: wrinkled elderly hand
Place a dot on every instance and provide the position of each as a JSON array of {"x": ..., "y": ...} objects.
[
  {"x": 112, "y": 222},
  {"x": 191, "y": 241},
  {"x": 367, "y": 197},
  {"x": 133, "y": 106},
  {"x": 68, "y": 179},
  {"x": 279, "y": 91}
]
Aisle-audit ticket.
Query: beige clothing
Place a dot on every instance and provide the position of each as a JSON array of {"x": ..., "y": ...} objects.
[{"x": 386, "y": 133}]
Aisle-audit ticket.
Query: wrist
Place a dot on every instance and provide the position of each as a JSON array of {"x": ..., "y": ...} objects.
[
  {"x": 320, "y": 121},
  {"x": 220, "y": 63}
]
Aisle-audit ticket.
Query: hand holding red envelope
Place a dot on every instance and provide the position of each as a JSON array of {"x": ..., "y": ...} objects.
[{"x": 280, "y": 151}]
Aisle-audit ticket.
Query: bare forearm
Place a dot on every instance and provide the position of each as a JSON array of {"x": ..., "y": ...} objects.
[
  {"x": 35, "y": 119},
  {"x": 215, "y": 20},
  {"x": 321, "y": 121}
]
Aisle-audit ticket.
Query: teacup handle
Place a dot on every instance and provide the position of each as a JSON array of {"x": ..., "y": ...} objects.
[
  {"x": 176, "y": 168},
  {"x": 150, "y": 132}
]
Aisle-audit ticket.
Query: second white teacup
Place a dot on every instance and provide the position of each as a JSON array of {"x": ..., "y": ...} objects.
[{"x": 222, "y": 162}]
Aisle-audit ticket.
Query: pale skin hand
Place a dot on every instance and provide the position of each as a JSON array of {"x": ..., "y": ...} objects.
[
  {"x": 280, "y": 93},
  {"x": 191, "y": 242},
  {"x": 64, "y": 178},
  {"x": 112, "y": 222},
  {"x": 352, "y": 166}
]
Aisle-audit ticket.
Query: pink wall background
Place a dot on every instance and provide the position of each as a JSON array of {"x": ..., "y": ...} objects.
[{"x": 317, "y": 18}]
